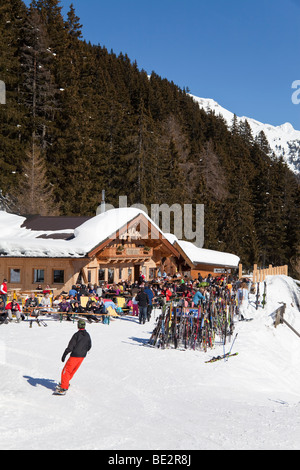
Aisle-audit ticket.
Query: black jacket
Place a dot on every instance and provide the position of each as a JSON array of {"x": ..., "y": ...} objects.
[
  {"x": 79, "y": 345},
  {"x": 78, "y": 309},
  {"x": 97, "y": 310},
  {"x": 142, "y": 298}
]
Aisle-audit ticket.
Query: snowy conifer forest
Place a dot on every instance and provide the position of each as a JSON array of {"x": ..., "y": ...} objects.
[{"x": 79, "y": 119}]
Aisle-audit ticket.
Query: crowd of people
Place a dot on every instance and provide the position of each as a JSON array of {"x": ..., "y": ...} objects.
[{"x": 138, "y": 298}]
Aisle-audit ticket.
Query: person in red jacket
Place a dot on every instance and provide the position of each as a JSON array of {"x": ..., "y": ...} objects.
[
  {"x": 13, "y": 308},
  {"x": 3, "y": 291},
  {"x": 78, "y": 346}
]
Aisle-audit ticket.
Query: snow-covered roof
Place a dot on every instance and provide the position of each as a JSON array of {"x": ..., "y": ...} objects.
[
  {"x": 18, "y": 241},
  {"x": 203, "y": 256}
]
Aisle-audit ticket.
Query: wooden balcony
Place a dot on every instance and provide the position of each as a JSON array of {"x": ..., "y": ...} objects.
[{"x": 115, "y": 253}]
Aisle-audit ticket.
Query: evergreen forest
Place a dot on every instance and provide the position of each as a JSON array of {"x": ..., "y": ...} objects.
[{"x": 79, "y": 119}]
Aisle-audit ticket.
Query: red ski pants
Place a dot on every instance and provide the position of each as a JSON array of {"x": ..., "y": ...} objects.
[
  {"x": 135, "y": 310},
  {"x": 69, "y": 370}
]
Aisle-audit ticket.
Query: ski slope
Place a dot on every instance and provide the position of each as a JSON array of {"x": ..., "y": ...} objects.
[{"x": 129, "y": 396}]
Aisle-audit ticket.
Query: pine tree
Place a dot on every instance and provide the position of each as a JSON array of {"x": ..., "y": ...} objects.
[
  {"x": 51, "y": 17},
  {"x": 35, "y": 195},
  {"x": 13, "y": 132},
  {"x": 212, "y": 171},
  {"x": 73, "y": 25},
  {"x": 235, "y": 125},
  {"x": 262, "y": 142},
  {"x": 140, "y": 158},
  {"x": 237, "y": 225},
  {"x": 271, "y": 218},
  {"x": 245, "y": 132},
  {"x": 38, "y": 88}
]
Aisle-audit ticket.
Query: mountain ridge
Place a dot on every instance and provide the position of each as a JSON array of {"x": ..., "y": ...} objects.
[{"x": 284, "y": 140}]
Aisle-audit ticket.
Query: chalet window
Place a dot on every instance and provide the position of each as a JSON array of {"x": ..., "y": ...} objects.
[
  {"x": 80, "y": 278},
  {"x": 15, "y": 275},
  {"x": 101, "y": 274},
  {"x": 38, "y": 275},
  {"x": 152, "y": 273},
  {"x": 111, "y": 275},
  {"x": 58, "y": 276}
]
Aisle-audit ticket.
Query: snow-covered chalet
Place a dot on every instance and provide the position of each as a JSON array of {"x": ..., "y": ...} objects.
[{"x": 112, "y": 246}]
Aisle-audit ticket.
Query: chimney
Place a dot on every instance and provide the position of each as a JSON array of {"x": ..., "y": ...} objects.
[
  {"x": 101, "y": 208},
  {"x": 103, "y": 201}
]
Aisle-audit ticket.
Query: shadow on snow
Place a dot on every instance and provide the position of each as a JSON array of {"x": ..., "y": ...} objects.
[{"x": 47, "y": 383}]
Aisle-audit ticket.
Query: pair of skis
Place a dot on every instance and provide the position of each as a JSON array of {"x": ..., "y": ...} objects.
[
  {"x": 159, "y": 327},
  {"x": 39, "y": 322},
  {"x": 264, "y": 295},
  {"x": 219, "y": 358},
  {"x": 224, "y": 356}
]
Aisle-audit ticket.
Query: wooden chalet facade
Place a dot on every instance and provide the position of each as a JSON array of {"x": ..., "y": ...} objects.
[
  {"x": 204, "y": 262},
  {"x": 63, "y": 251},
  {"x": 136, "y": 247}
]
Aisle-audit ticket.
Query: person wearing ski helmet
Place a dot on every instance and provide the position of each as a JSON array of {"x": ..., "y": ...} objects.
[{"x": 78, "y": 346}]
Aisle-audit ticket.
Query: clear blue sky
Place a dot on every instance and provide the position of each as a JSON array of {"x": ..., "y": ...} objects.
[{"x": 245, "y": 54}]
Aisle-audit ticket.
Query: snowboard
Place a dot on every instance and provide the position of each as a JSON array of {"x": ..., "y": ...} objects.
[{"x": 58, "y": 391}]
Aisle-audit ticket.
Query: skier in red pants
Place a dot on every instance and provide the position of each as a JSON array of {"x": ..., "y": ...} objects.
[{"x": 78, "y": 346}]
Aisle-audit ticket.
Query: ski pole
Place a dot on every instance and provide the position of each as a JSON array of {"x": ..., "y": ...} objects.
[
  {"x": 232, "y": 345},
  {"x": 225, "y": 332}
]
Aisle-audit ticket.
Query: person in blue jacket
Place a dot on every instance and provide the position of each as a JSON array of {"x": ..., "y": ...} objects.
[
  {"x": 73, "y": 291},
  {"x": 198, "y": 296}
]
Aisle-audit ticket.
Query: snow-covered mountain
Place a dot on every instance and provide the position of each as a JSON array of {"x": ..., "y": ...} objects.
[{"x": 284, "y": 140}]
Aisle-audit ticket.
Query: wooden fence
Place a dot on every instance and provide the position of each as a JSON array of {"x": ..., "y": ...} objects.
[
  {"x": 279, "y": 318},
  {"x": 259, "y": 275}
]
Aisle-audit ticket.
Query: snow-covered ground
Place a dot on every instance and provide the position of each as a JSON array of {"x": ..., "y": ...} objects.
[{"x": 130, "y": 396}]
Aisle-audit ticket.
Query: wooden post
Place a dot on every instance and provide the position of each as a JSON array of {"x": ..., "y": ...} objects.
[
  {"x": 255, "y": 273},
  {"x": 279, "y": 315},
  {"x": 270, "y": 270},
  {"x": 240, "y": 271},
  {"x": 279, "y": 318}
]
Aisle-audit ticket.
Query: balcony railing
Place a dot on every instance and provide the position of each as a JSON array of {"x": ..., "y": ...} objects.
[{"x": 133, "y": 252}]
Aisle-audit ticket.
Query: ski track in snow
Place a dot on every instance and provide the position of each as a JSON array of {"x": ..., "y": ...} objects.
[{"x": 130, "y": 396}]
